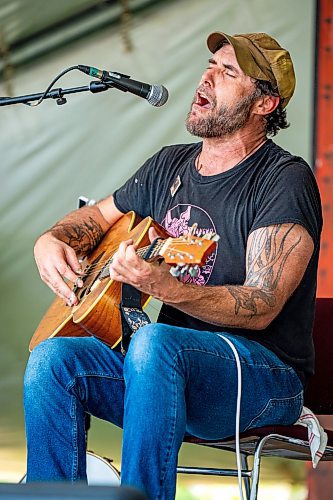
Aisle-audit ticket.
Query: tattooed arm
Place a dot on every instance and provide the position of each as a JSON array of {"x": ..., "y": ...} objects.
[
  {"x": 82, "y": 230},
  {"x": 276, "y": 259},
  {"x": 58, "y": 249}
]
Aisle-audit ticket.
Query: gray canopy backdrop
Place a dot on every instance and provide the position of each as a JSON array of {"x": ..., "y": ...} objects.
[{"x": 52, "y": 154}]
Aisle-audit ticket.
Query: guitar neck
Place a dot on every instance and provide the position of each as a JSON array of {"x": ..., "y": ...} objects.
[
  {"x": 185, "y": 252},
  {"x": 148, "y": 252}
]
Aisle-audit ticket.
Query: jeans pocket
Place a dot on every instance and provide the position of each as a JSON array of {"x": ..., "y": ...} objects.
[{"x": 284, "y": 411}]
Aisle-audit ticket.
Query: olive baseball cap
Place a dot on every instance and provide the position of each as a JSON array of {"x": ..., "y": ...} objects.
[{"x": 261, "y": 57}]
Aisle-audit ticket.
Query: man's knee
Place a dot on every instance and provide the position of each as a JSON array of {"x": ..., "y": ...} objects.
[
  {"x": 148, "y": 348},
  {"x": 47, "y": 361}
]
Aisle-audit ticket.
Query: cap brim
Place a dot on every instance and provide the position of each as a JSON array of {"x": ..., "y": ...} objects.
[{"x": 215, "y": 39}]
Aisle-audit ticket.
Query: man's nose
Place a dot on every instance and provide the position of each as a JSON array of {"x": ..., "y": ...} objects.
[{"x": 206, "y": 79}]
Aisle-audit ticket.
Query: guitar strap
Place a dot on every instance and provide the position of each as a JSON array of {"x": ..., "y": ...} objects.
[{"x": 132, "y": 315}]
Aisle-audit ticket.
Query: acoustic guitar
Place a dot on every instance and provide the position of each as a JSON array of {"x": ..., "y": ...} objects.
[{"x": 98, "y": 311}]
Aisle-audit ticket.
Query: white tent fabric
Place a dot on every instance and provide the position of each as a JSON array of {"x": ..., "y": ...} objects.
[
  {"x": 21, "y": 19},
  {"x": 52, "y": 154}
]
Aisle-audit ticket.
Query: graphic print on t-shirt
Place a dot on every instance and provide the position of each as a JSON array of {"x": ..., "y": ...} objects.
[{"x": 178, "y": 221}]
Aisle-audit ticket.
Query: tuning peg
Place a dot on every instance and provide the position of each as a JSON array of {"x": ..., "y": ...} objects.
[
  {"x": 194, "y": 271},
  {"x": 211, "y": 236},
  {"x": 175, "y": 271},
  {"x": 184, "y": 270}
]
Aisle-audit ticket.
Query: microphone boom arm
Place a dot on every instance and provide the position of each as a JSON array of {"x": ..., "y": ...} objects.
[{"x": 57, "y": 94}]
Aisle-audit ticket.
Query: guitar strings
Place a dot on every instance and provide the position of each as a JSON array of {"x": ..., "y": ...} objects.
[{"x": 94, "y": 269}]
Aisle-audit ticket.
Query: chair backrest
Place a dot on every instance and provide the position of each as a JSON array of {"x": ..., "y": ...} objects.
[{"x": 319, "y": 393}]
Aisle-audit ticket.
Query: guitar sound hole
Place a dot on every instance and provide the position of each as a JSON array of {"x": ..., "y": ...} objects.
[{"x": 91, "y": 273}]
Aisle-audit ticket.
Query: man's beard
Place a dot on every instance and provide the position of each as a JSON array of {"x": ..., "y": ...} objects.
[{"x": 223, "y": 121}]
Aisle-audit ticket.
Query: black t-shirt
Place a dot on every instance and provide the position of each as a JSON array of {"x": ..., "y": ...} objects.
[{"x": 270, "y": 187}]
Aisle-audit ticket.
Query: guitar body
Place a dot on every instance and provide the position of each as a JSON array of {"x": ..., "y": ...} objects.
[{"x": 98, "y": 312}]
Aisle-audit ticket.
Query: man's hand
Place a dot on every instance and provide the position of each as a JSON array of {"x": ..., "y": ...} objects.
[
  {"x": 152, "y": 279},
  {"x": 57, "y": 261},
  {"x": 77, "y": 234}
]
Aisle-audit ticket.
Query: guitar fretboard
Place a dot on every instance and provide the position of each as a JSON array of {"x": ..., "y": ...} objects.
[{"x": 153, "y": 251}]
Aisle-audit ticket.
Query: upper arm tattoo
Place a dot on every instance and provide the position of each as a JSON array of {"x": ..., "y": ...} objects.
[
  {"x": 82, "y": 236},
  {"x": 267, "y": 255}
]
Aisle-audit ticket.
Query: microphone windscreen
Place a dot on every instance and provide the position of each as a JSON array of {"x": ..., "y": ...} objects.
[{"x": 158, "y": 95}]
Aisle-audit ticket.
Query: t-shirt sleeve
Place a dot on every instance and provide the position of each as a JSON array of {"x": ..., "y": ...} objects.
[
  {"x": 289, "y": 193},
  {"x": 136, "y": 194}
]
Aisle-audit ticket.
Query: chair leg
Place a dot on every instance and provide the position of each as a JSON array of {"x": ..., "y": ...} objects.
[
  {"x": 256, "y": 465},
  {"x": 246, "y": 479}
]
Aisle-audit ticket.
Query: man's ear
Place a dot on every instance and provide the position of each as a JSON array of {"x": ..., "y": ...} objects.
[{"x": 266, "y": 104}]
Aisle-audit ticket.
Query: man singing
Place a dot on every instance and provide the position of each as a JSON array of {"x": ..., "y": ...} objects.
[{"x": 258, "y": 289}]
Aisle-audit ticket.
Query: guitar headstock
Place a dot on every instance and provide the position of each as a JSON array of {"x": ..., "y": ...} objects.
[{"x": 188, "y": 252}]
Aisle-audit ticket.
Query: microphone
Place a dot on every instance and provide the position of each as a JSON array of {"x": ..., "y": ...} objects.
[{"x": 156, "y": 95}]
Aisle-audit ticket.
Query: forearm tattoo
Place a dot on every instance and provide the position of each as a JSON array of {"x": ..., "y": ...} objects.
[
  {"x": 247, "y": 298},
  {"x": 82, "y": 236},
  {"x": 266, "y": 259}
]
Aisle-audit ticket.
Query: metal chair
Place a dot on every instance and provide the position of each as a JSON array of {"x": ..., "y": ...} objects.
[{"x": 284, "y": 441}]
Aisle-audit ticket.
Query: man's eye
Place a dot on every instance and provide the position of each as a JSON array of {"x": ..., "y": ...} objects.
[{"x": 231, "y": 75}]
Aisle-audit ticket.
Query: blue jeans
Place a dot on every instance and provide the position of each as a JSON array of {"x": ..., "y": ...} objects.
[{"x": 172, "y": 381}]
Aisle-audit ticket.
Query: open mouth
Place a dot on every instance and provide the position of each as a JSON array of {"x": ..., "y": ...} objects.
[{"x": 202, "y": 101}]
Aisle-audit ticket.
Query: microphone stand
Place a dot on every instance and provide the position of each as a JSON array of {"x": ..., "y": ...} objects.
[{"x": 57, "y": 94}]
